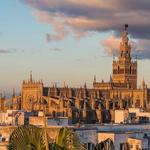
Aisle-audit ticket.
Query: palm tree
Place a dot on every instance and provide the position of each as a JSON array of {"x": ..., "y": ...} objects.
[
  {"x": 33, "y": 138},
  {"x": 27, "y": 138},
  {"x": 67, "y": 139},
  {"x": 105, "y": 145}
]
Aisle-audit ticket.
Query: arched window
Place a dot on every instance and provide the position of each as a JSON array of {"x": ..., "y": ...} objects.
[
  {"x": 54, "y": 113},
  {"x": 130, "y": 70},
  {"x": 121, "y": 53},
  {"x": 135, "y": 71},
  {"x": 118, "y": 69}
]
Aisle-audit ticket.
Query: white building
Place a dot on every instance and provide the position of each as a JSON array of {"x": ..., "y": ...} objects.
[
  {"x": 13, "y": 117},
  {"x": 121, "y": 116},
  {"x": 138, "y": 143}
]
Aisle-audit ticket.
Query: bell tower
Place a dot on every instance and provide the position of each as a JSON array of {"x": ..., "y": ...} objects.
[
  {"x": 124, "y": 69},
  {"x": 32, "y": 92}
]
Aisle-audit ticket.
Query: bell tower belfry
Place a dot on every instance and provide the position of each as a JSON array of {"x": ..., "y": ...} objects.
[{"x": 124, "y": 69}]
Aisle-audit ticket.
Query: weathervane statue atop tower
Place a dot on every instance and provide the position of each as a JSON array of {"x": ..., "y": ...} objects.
[
  {"x": 125, "y": 27},
  {"x": 125, "y": 38}
]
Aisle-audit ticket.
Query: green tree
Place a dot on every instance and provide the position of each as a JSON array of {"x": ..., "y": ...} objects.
[
  {"x": 27, "y": 138},
  {"x": 105, "y": 145},
  {"x": 67, "y": 139},
  {"x": 33, "y": 138}
]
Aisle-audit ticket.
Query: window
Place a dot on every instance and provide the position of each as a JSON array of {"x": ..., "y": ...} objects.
[
  {"x": 130, "y": 70},
  {"x": 137, "y": 147},
  {"x": 124, "y": 146},
  {"x": 118, "y": 69}
]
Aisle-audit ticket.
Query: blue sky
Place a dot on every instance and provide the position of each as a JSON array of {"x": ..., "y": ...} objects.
[{"x": 23, "y": 47}]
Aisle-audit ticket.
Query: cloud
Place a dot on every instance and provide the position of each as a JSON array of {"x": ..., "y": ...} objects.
[
  {"x": 94, "y": 15},
  {"x": 140, "y": 47},
  {"x": 5, "y": 51},
  {"x": 81, "y": 18},
  {"x": 111, "y": 45},
  {"x": 142, "y": 50},
  {"x": 56, "y": 37},
  {"x": 56, "y": 49}
]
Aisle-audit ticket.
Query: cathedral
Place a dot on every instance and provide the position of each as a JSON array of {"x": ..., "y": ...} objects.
[{"x": 87, "y": 105}]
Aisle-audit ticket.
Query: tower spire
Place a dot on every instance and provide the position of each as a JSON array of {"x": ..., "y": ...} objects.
[
  {"x": 94, "y": 78},
  {"x": 110, "y": 79},
  {"x": 31, "y": 76},
  {"x": 143, "y": 82},
  {"x": 125, "y": 47},
  {"x": 125, "y": 38},
  {"x": 85, "y": 85},
  {"x": 1, "y": 96},
  {"x": 64, "y": 84},
  {"x": 14, "y": 93}
]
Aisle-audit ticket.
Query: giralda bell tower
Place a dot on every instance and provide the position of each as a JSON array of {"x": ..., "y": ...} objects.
[{"x": 124, "y": 69}]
